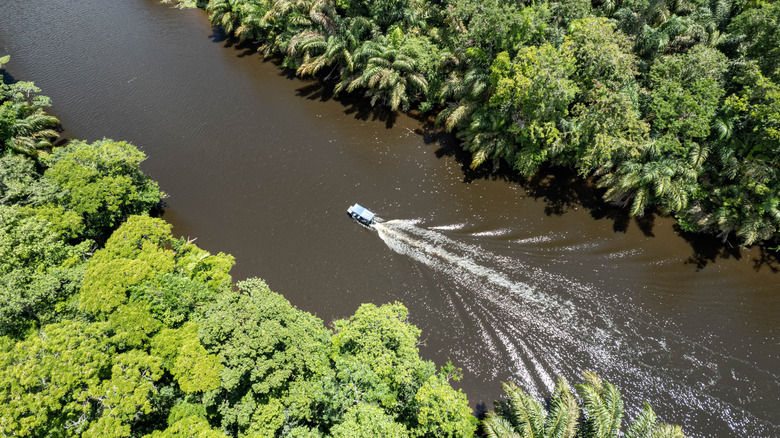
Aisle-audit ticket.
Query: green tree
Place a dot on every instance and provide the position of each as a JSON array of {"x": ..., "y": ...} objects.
[
  {"x": 103, "y": 182},
  {"x": 759, "y": 27},
  {"x": 744, "y": 172},
  {"x": 495, "y": 26},
  {"x": 66, "y": 380},
  {"x": 602, "y": 53},
  {"x": 686, "y": 91},
  {"x": 39, "y": 271},
  {"x": 189, "y": 427},
  {"x": 441, "y": 410},
  {"x": 606, "y": 126},
  {"x": 264, "y": 345},
  {"x": 25, "y": 128},
  {"x": 531, "y": 98},
  {"x": 367, "y": 421},
  {"x": 386, "y": 72},
  {"x": 142, "y": 257}
]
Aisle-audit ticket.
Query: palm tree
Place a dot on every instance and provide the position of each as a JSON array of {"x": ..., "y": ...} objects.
[
  {"x": 25, "y": 128},
  {"x": 31, "y": 130},
  {"x": 287, "y": 19},
  {"x": 602, "y": 407},
  {"x": 321, "y": 49},
  {"x": 467, "y": 90},
  {"x": 225, "y": 13},
  {"x": 487, "y": 137},
  {"x": 522, "y": 416},
  {"x": 387, "y": 74}
]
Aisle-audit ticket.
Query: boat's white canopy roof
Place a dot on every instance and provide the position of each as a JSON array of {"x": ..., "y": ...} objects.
[{"x": 363, "y": 212}]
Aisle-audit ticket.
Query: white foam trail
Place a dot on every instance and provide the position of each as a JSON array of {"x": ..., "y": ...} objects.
[
  {"x": 459, "y": 226},
  {"x": 547, "y": 325}
]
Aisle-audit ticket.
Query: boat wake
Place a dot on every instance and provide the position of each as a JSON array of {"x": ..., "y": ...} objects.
[{"x": 538, "y": 326}]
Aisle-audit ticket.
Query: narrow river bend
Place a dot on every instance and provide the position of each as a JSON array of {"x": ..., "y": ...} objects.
[{"x": 509, "y": 281}]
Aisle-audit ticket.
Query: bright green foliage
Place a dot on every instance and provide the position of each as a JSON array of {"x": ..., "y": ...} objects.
[
  {"x": 38, "y": 271},
  {"x": 44, "y": 379},
  {"x": 17, "y": 180},
  {"x": 442, "y": 411},
  {"x": 521, "y": 415},
  {"x": 377, "y": 362},
  {"x": 67, "y": 379},
  {"x": 367, "y": 421},
  {"x": 103, "y": 182},
  {"x": 304, "y": 432},
  {"x": 132, "y": 326},
  {"x": 142, "y": 257},
  {"x": 178, "y": 351},
  {"x": 264, "y": 345},
  {"x": 22, "y": 185},
  {"x": 380, "y": 338},
  {"x": 189, "y": 427},
  {"x": 193, "y": 367}
]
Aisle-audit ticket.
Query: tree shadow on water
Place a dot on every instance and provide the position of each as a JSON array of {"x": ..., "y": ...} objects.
[
  {"x": 355, "y": 104},
  {"x": 6, "y": 77},
  {"x": 561, "y": 189},
  {"x": 709, "y": 249},
  {"x": 243, "y": 48}
]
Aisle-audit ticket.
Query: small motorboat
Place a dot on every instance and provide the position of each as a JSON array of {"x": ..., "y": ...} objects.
[{"x": 361, "y": 214}]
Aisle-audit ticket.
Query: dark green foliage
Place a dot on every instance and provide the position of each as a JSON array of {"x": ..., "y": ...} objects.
[{"x": 758, "y": 29}]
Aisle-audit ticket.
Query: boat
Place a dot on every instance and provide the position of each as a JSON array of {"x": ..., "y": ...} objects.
[{"x": 361, "y": 214}]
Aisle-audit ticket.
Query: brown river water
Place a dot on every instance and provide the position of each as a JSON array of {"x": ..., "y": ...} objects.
[{"x": 510, "y": 280}]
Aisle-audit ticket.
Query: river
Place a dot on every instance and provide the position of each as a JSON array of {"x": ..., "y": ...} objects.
[{"x": 510, "y": 280}]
